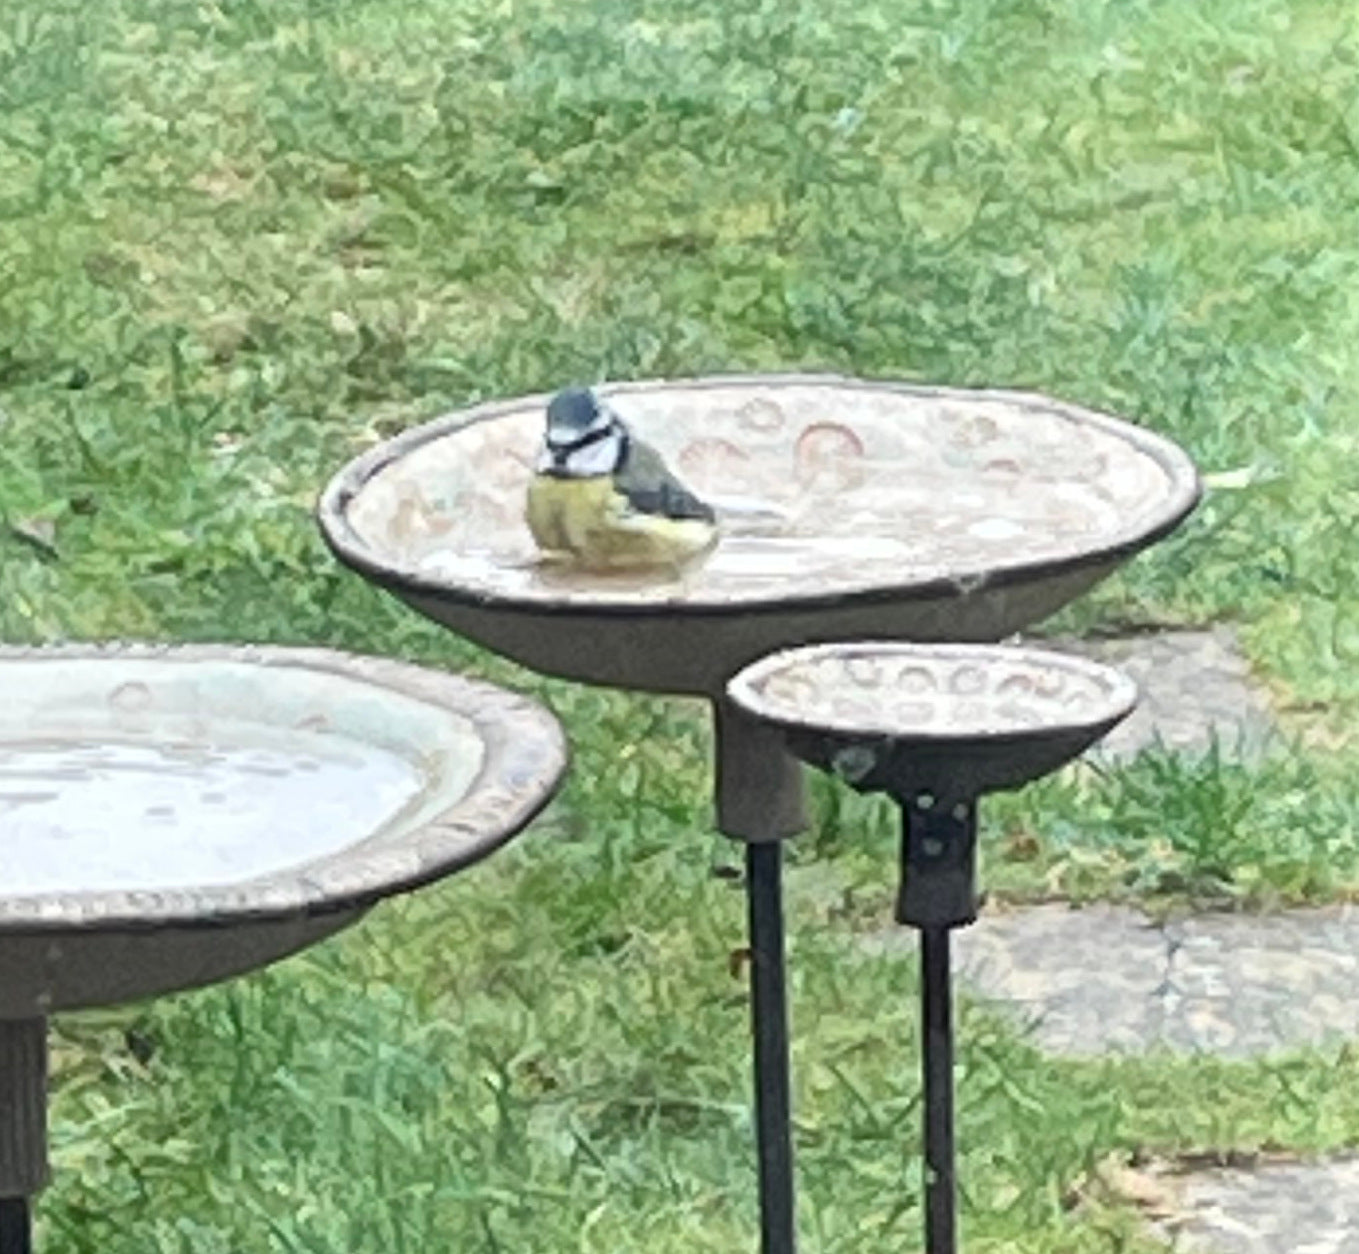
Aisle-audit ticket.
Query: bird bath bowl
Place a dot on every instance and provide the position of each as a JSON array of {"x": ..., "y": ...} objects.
[
  {"x": 848, "y": 510},
  {"x": 174, "y": 816},
  {"x": 879, "y": 511},
  {"x": 954, "y": 721},
  {"x": 936, "y": 727}
]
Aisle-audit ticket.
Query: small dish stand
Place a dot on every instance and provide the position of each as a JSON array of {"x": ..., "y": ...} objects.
[{"x": 935, "y": 728}]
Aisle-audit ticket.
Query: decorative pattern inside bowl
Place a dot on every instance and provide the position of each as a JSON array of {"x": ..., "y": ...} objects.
[
  {"x": 823, "y": 486},
  {"x": 943, "y": 692}
]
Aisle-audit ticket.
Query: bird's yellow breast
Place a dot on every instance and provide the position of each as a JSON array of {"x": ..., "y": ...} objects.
[{"x": 589, "y": 520}]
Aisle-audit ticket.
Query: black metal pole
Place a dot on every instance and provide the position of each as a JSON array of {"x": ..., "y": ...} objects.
[
  {"x": 23, "y": 1128},
  {"x": 15, "y": 1228},
  {"x": 769, "y": 1026},
  {"x": 938, "y": 892},
  {"x": 937, "y": 1066}
]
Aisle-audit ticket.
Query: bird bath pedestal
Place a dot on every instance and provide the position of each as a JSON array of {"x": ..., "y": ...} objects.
[
  {"x": 850, "y": 510},
  {"x": 936, "y": 727},
  {"x": 174, "y": 816}
]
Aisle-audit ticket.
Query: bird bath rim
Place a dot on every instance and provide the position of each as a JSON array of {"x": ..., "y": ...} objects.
[
  {"x": 885, "y": 731},
  {"x": 1117, "y": 693},
  {"x": 1183, "y": 491},
  {"x": 524, "y": 755}
]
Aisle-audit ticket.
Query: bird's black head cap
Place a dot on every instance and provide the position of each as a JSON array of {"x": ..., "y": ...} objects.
[{"x": 571, "y": 413}]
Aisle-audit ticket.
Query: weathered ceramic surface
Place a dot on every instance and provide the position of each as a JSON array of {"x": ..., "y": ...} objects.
[
  {"x": 932, "y": 692},
  {"x": 172, "y": 815},
  {"x": 953, "y": 720},
  {"x": 836, "y": 487}
]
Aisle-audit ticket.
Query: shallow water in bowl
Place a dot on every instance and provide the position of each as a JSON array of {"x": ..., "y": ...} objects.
[
  {"x": 97, "y": 815},
  {"x": 830, "y": 487}
]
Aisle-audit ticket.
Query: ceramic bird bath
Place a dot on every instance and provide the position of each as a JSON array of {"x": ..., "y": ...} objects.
[
  {"x": 935, "y": 727},
  {"x": 174, "y": 816},
  {"x": 849, "y": 510}
]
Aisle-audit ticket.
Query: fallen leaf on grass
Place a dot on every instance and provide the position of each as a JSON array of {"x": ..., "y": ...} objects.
[
  {"x": 39, "y": 534},
  {"x": 1149, "y": 1186},
  {"x": 1155, "y": 1186}
]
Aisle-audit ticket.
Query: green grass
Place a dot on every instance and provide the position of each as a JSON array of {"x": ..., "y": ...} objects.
[{"x": 241, "y": 240}]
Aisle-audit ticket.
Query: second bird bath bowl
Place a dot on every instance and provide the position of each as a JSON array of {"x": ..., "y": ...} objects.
[
  {"x": 934, "y": 727},
  {"x": 175, "y": 816},
  {"x": 850, "y": 510}
]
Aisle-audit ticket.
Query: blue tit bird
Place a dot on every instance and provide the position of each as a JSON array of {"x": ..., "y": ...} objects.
[{"x": 606, "y": 500}]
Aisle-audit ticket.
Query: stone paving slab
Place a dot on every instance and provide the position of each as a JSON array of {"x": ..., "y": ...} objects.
[
  {"x": 1086, "y": 981},
  {"x": 1194, "y": 685},
  {"x": 1243, "y": 984},
  {"x": 1295, "y": 1208},
  {"x": 1106, "y": 979}
]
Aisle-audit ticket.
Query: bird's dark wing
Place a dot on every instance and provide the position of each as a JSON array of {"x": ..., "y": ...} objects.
[{"x": 650, "y": 488}]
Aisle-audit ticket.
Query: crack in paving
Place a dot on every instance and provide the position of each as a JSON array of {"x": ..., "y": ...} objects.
[{"x": 1166, "y": 994}]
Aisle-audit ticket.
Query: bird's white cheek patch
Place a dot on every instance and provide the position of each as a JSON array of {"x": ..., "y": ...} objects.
[{"x": 594, "y": 459}]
